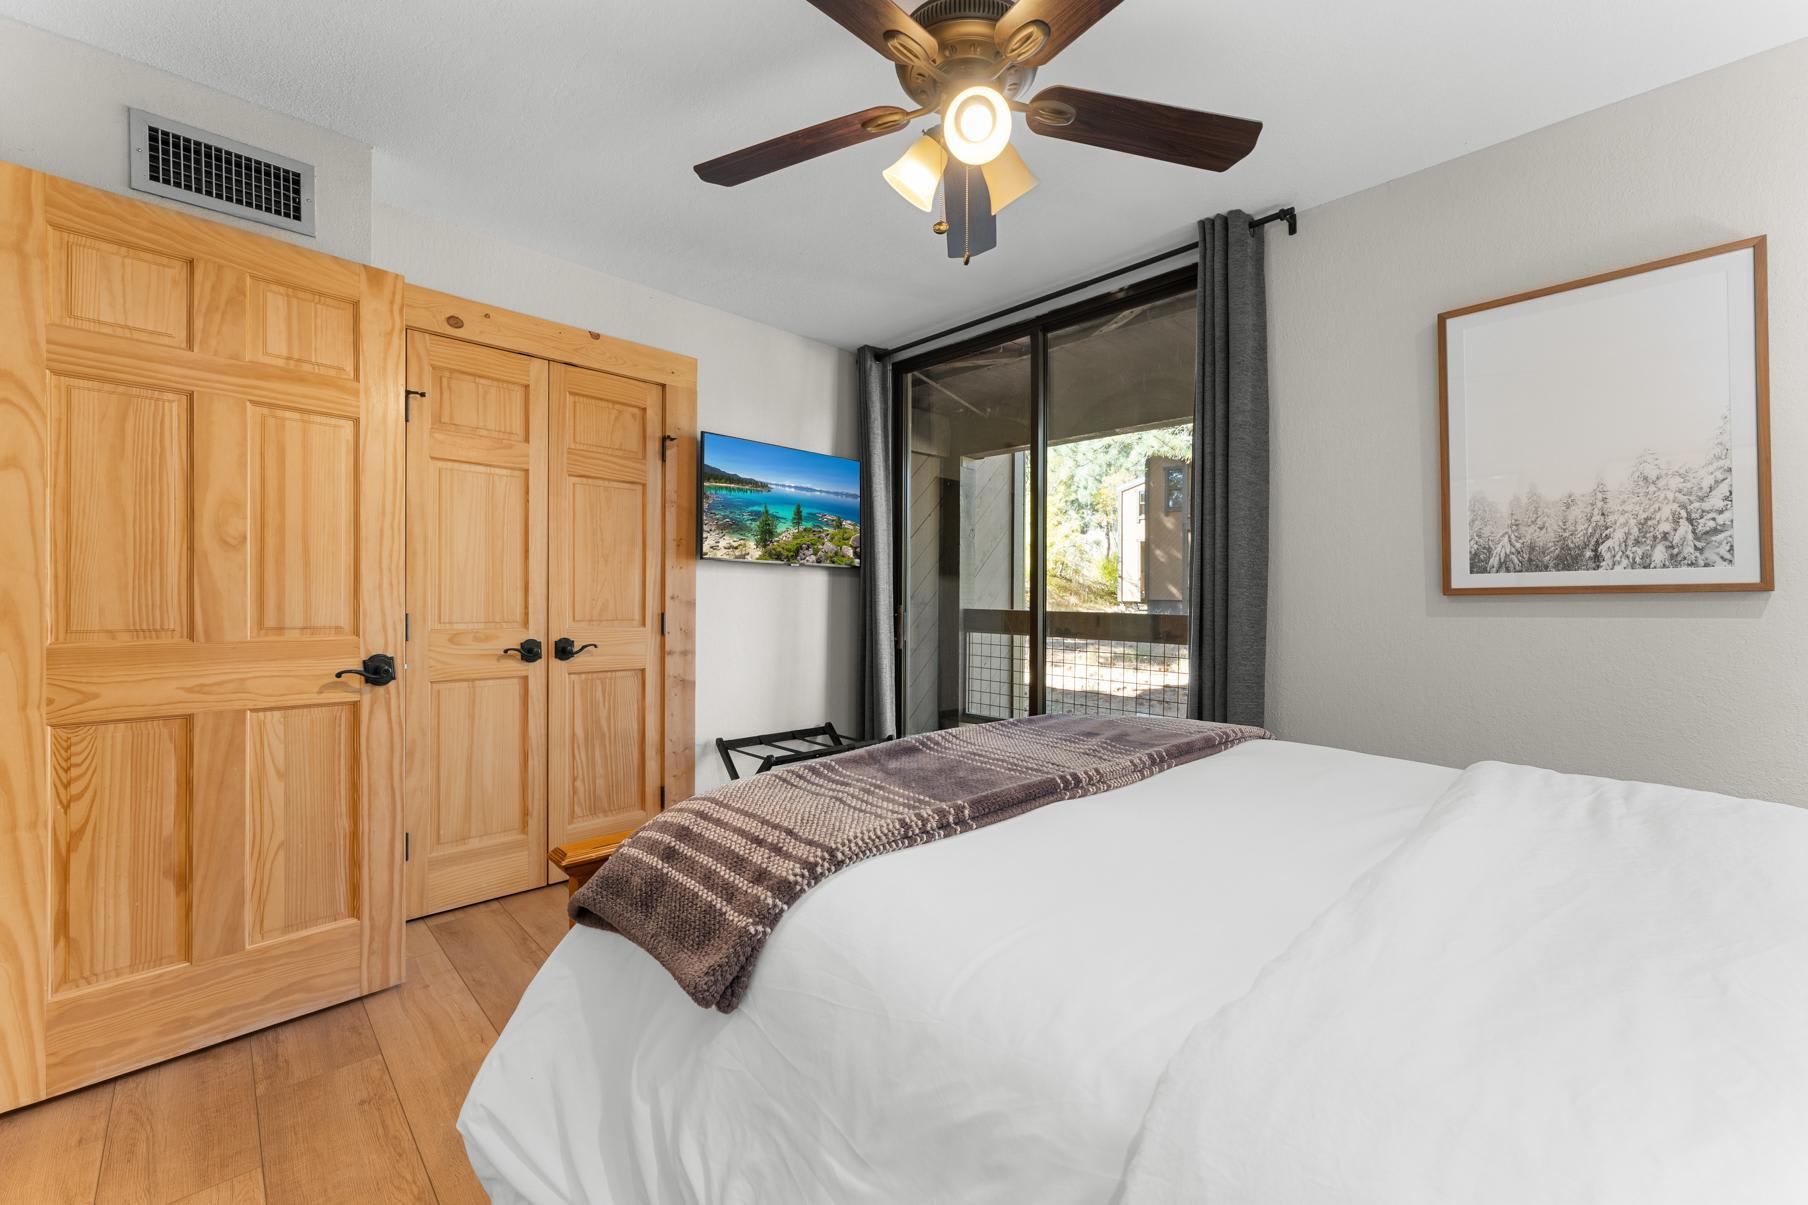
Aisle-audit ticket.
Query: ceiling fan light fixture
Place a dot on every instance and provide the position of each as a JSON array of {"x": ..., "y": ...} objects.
[
  {"x": 918, "y": 172},
  {"x": 977, "y": 125},
  {"x": 1008, "y": 177}
]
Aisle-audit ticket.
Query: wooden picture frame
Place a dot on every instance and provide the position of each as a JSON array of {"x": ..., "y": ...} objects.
[{"x": 1677, "y": 519}]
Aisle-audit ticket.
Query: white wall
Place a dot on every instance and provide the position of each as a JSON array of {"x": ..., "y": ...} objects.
[
  {"x": 1365, "y": 652},
  {"x": 63, "y": 111},
  {"x": 777, "y": 647}
]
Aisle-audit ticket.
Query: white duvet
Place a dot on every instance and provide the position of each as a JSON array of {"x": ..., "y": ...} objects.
[
  {"x": 1558, "y": 990},
  {"x": 979, "y": 1020}
]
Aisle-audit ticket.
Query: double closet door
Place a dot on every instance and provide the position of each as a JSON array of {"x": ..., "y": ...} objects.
[{"x": 535, "y": 529}]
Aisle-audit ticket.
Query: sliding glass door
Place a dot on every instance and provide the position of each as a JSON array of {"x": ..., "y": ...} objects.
[
  {"x": 1046, "y": 537},
  {"x": 1119, "y": 504},
  {"x": 966, "y": 561}
]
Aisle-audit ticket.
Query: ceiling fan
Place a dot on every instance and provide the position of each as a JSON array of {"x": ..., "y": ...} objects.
[{"x": 971, "y": 62}]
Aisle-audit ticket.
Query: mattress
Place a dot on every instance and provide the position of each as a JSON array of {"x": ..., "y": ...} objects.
[{"x": 979, "y": 1020}]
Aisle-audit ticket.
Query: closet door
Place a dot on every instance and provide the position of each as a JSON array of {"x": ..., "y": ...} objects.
[
  {"x": 199, "y": 820},
  {"x": 606, "y": 525},
  {"x": 478, "y": 650}
]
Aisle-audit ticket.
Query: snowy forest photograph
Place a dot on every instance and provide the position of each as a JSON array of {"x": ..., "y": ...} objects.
[{"x": 1607, "y": 435}]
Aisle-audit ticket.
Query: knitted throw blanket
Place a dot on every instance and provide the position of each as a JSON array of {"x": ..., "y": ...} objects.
[{"x": 701, "y": 886}]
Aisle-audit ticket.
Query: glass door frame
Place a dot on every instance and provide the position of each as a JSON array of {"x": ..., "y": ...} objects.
[{"x": 1037, "y": 328}]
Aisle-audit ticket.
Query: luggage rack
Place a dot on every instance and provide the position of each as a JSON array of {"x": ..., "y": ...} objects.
[{"x": 787, "y": 748}]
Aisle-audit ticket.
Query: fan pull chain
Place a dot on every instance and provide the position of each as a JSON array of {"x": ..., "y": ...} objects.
[{"x": 967, "y": 225}]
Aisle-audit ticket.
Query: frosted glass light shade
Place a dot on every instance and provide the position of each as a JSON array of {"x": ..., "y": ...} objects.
[
  {"x": 918, "y": 172},
  {"x": 1008, "y": 177},
  {"x": 977, "y": 125}
]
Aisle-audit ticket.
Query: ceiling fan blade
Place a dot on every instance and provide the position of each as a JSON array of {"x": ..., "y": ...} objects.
[
  {"x": 1035, "y": 31},
  {"x": 750, "y": 163},
  {"x": 884, "y": 26},
  {"x": 1142, "y": 127}
]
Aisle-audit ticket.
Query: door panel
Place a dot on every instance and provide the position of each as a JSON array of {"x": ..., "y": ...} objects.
[
  {"x": 605, "y": 525},
  {"x": 218, "y": 535},
  {"x": 477, "y": 586}
]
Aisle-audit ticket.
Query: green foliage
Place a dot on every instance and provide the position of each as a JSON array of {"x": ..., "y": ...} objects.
[
  {"x": 797, "y": 515},
  {"x": 766, "y": 530},
  {"x": 815, "y": 546},
  {"x": 1084, "y": 480}
]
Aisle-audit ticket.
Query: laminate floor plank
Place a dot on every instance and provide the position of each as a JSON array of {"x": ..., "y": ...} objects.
[
  {"x": 50, "y": 1152},
  {"x": 181, "y": 1127},
  {"x": 312, "y": 1045},
  {"x": 494, "y": 955},
  {"x": 541, "y": 913},
  {"x": 247, "y": 1189},
  {"x": 340, "y": 1136},
  {"x": 423, "y": 951},
  {"x": 433, "y": 1034},
  {"x": 353, "y": 1105}
]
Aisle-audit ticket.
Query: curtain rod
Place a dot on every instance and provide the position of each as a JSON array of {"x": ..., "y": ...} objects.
[{"x": 1287, "y": 214}]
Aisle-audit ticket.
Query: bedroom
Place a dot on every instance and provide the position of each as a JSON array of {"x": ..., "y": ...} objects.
[{"x": 269, "y": 934}]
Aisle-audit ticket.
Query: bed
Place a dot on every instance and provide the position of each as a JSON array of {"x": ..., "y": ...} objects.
[
  {"x": 1280, "y": 975},
  {"x": 884, "y": 1023}
]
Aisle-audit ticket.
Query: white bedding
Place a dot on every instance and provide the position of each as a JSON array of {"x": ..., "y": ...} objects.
[
  {"x": 1562, "y": 990},
  {"x": 979, "y": 1020}
]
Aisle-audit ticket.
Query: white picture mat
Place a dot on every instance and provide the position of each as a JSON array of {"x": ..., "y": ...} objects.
[{"x": 1557, "y": 370}]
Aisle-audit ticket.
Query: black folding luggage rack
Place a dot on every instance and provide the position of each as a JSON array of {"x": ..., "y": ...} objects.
[{"x": 785, "y": 750}]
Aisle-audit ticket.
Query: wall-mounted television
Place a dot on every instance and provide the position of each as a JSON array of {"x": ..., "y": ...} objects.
[{"x": 779, "y": 506}]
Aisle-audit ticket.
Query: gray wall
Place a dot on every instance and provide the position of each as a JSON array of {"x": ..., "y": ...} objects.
[{"x": 1365, "y": 652}]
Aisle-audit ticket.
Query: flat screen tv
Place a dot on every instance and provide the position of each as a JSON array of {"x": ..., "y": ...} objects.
[{"x": 779, "y": 506}]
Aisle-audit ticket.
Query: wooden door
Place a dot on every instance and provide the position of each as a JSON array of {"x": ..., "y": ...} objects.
[
  {"x": 606, "y": 525},
  {"x": 201, "y": 455},
  {"x": 476, "y": 597}
]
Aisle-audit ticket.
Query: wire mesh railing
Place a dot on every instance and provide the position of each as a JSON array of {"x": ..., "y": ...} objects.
[{"x": 1098, "y": 664}]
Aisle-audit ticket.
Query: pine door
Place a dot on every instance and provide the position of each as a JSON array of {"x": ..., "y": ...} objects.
[
  {"x": 201, "y": 481},
  {"x": 478, "y": 650},
  {"x": 605, "y": 524}
]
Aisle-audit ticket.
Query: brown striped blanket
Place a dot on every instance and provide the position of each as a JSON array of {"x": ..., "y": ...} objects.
[{"x": 701, "y": 886}]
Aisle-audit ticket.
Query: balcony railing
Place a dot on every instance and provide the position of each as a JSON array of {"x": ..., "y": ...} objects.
[{"x": 1099, "y": 663}]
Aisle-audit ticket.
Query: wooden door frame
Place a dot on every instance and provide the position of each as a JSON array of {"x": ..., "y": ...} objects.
[{"x": 452, "y": 317}]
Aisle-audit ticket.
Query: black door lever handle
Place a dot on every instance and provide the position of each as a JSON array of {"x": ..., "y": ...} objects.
[
  {"x": 378, "y": 670},
  {"x": 528, "y": 650},
  {"x": 565, "y": 648}
]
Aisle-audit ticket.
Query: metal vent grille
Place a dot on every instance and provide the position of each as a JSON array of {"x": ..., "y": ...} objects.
[{"x": 178, "y": 161}]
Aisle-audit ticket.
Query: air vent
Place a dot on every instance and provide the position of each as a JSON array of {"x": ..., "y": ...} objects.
[{"x": 178, "y": 161}]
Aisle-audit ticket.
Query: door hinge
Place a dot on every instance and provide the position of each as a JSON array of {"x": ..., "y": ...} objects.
[
  {"x": 407, "y": 626},
  {"x": 405, "y": 844},
  {"x": 408, "y": 396},
  {"x": 662, "y": 797},
  {"x": 665, "y": 441},
  {"x": 662, "y": 623}
]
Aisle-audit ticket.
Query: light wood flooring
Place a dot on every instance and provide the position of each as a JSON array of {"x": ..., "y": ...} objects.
[{"x": 351, "y": 1106}]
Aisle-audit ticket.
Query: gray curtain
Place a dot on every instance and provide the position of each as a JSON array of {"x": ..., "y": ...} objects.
[
  {"x": 1229, "y": 639},
  {"x": 879, "y": 664}
]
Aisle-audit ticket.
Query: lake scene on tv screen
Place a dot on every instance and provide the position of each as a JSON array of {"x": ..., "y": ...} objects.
[{"x": 762, "y": 502}]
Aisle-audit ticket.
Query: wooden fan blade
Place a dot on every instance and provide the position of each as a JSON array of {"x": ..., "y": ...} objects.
[
  {"x": 884, "y": 26},
  {"x": 1061, "y": 21},
  {"x": 750, "y": 163},
  {"x": 1142, "y": 127}
]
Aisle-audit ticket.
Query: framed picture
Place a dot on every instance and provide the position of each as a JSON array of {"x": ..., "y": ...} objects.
[{"x": 1611, "y": 434}]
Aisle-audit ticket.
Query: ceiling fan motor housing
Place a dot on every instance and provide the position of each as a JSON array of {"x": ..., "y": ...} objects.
[{"x": 966, "y": 52}]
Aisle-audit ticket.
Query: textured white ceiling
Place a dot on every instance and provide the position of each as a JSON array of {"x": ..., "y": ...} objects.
[{"x": 571, "y": 125}]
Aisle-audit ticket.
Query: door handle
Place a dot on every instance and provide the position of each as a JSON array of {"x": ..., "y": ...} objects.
[
  {"x": 565, "y": 648},
  {"x": 378, "y": 670},
  {"x": 528, "y": 650}
]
